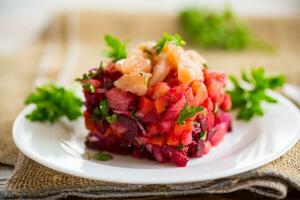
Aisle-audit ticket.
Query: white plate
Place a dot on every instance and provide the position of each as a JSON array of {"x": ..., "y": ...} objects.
[{"x": 249, "y": 146}]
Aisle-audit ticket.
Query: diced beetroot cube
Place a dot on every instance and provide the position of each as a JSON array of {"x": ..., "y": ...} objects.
[
  {"x": 180, "y": 158},
  {"x": 186, "y": 138},
  {"x": 210, "y": 118},
  {"x": 118, "y": 99},
  {"x": 215, "y": 90},
  {"x": 118, "y": 127},
  {"x": 150, "y": 117},
  {"x": 96, "y": 83},
  {"x": 131, "y": 126},
  {"x": 224, "y": 117},
  {"x": 207, "y": 147},
  {"x": 196, "y": 149},
  {"x": 208, "y": 104},
  {"x": 95, "y": 141},
  {"x": 176, "y": 93},
  {"x": 207, "y": 120},
  {"x": 226, "y": 104},
  {"x": 167, "y": 126},
  {"x": 145, "y": 105},
  {"x": 153, "y": 129},
  {"x": 158, "y": 155},
  {"x": 92, "y": 99},
  {"x": 214, "y": 75},
  {"x": 217, "y": 134},
  {"x": 175, "y": 109}
]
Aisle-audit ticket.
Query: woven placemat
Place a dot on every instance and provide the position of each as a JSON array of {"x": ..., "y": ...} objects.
[
  {"x": 32, "y": 180},
  {"x": 73, "y": 50}
]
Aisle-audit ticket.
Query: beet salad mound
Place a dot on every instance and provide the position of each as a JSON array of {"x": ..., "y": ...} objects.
[{"x": 157, "y": 101}]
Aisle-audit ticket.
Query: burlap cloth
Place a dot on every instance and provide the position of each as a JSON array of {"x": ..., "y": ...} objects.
[{"x": 73, "y": 43}]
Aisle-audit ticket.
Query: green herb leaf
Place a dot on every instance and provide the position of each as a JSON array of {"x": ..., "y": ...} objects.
[
  {"x": 89, "y": 86},
  {"x": 203, "y": 135},
  {"x": 187, "y": 113},
  {"x": 133, "y": 115},
  {"x": 111, "y": 119},
  {"x": 216, "y": 108},
  {"x": 53, "y": 102},
  {"x": 85, "y": 77},
  {"x": 117, "y": 48},
  {"x": 104, "y": 107},
  {"x": 101, "y": 67},
  {"x": 167, "y": 38},
  {"x": 180, "y": 147},
  {"x": 102, "y": 112},
  {"x": 211, "y": 29},
  {"x": 100, "y": 156},
  {"x": 248, "y": 95}
]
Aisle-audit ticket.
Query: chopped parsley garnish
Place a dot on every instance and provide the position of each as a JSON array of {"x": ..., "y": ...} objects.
[
  {"x": 101, "y": 67},
  {"x": 89, "y": 86},
  {"x": 92, "y": 74},
  {"x": 104, "y": 107},
  {"x": 102, "y": 112},
  {"x": 167, "y": 38},
  {"x": 203, "y": 135},
  {"x": 117, "y": 48},
  {"x": 216, "y": 108},
  {"x": 53, "y": 102},
  {"x": 180, "y": 147},
  {"x": 85, "y": 80},
  {"x": 211, "y": 29},
  {"x": 100, "y": 156},
  {"x": 187, "y": 113},
  {"x": 111, "y": 119},
  {"x": 133, "y": 115},
  {"x": 247, "y": 95}
]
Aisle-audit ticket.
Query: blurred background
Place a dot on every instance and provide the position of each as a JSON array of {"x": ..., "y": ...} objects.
[{"x": 21, "y": 21}]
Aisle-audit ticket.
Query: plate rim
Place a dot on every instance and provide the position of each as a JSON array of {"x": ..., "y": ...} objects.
[{"x": 175, "y": 180}]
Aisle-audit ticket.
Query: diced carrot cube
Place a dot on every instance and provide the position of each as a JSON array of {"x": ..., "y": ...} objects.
[
  {"x": 185, "y": 128},
  {"x": 161, "y": 104},
  {"x": 154, "y": 140},
  {"x": 173, "y": 140},
  {"x": 145, "y": 105}
]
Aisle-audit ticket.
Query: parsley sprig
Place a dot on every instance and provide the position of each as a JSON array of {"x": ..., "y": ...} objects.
[
  {"x": 187, "y": 113},
  {"x": 117, "y": 48},
  {"x": 212, "y": 29},
  {"x": 102, "y": 112},
  {"x": 52, "y": 102},
  {"x": 247, "y": 95},
  {"x": 167, "y": 38}
]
